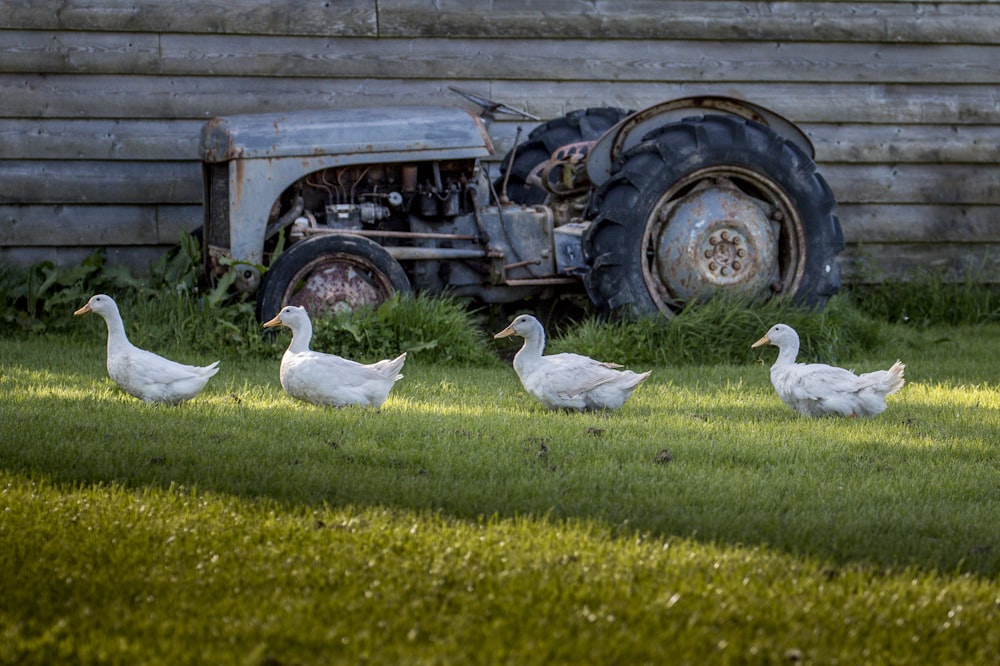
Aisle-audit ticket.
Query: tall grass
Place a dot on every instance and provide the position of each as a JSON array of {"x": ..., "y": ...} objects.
[
  {"x": 722, "y": 330},
  {"x": 926, "y": 296},
  {"x": 929, "y": 300},
  {"x": 431, "y": 329},
  {"x": 173, "y": 309}
]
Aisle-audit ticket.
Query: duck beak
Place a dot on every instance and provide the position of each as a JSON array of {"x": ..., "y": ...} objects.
[
  {"x": 274, "y": 322},
  {"x": 84, "y": 310},
  {"x": 505, "y": 333},
  {"x": 763, "y": 341}
]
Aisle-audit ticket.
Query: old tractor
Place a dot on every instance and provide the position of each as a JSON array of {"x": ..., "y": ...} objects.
[{"x": 641, "y": 211}]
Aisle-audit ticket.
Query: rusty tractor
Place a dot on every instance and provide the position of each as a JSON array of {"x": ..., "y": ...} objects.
[{"x": 641, "y": 211}]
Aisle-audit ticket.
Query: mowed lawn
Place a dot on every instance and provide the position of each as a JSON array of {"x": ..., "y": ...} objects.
[{"x": 461, "y": 523}]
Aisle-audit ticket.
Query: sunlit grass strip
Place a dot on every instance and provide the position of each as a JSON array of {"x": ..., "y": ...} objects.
[{"x": 168, "y": 575}]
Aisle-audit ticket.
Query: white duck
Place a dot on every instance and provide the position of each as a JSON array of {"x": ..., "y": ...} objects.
[
  {"x": 815, "y": 389},
  {"x": 141, "y": 373},
  {"x": 567, "y": 381},
  {"x": 326, "y": 379}
]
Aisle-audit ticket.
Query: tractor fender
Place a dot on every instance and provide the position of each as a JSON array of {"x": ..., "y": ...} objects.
[{"x": 630, "y": 131}]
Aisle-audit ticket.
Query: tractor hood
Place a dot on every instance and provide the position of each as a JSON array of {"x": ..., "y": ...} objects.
[{"x": 411, "y": 132}]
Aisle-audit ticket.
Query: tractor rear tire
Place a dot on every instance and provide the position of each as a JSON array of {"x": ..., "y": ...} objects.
[{"x": 708, "y": 204}]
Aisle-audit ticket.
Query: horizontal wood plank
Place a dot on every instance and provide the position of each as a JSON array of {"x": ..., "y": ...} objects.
[
  {"x": 172, "y": 222},
  {"x": 106, "y": 139},
  {"x": 83, "y": 182},
  {"x": 151, "y": 97},
  {"x": 920, "y": 22},
  {"x": 86, "y": 181},
  {"x": 251, "y": 17},
  {"x": 78, "y": 52},
  {"x": 45, "y": 225},
  {"x": 136, "y": 258},
  {"x": 619, "y": 60},
  {"x": 854, "y": 143},
  {"x": 955, "y": 262},
  {"x": 77, "y": 225},
  {"x": 901, "y": 223},
  {"x": 894, "y": 143},
  {"x": 801, "y": 103},
  {"x": 960, "y": 184},
  {"x": 102, "y": 139}
]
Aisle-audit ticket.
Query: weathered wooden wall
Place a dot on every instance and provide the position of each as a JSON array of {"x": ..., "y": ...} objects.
[{"x": 103, "y": 100}]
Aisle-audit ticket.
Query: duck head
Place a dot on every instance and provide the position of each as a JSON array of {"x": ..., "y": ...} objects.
[
  {"x": 101, "y": 304},
  {"x": 780, "y": 335},
  {"x": 290, "y": 316},
  {"x": 523, "y": 326}
]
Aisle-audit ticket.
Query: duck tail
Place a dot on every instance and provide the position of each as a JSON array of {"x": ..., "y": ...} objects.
[
  {"x": 894, "y": 378},
  {"x": 639, "y": 378},
  {"x": 393, "y": 367},
  {"x": 211, "y": 369}
]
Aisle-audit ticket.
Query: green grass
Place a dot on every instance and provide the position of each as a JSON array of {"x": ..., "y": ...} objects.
[{"x": 461, "y": 523}]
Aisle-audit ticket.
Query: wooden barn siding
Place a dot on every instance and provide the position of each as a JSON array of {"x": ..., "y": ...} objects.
[{"x": 103, "y": 100}]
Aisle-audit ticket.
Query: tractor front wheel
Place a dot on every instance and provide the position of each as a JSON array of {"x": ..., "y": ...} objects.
[{"x": 332, "y": 272}]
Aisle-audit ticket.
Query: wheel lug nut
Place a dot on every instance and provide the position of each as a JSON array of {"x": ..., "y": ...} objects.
[
  {"x": 708, "y": 254},
  {"x": 713, "y": 241},
  {"x": 713, "y": 266},
  {"x": 725, "y": 235},
  {"x": 737, "y": 265},
  {"x": 725, "y": 270},
  {"x": 741, "y": 252}
]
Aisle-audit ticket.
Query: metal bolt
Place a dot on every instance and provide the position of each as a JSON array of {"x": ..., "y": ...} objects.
[
  {"x": 777, "y": 216},
  {"x": 725, "y": 270},
  {"x": 725, "y": 235},
  {"x": 737, "y": 240},
  {"x": 737, "y": 265},
  {"x": 713, "y": 266},
  {"x": 713, "y": 241},
  {"x": 708, "y": 254},
  {"x": 741, "y": 252}
]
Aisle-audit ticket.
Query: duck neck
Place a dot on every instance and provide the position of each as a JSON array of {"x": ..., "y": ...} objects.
[
  {"x": 531, "y": 350},
  {"x": 788, "y": 353},
  {"x": 301, "y": 337},
  {"x": 116, "y": 330}
]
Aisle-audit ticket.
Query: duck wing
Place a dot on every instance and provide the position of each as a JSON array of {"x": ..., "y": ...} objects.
[
  {"x": 327, "y": 379},
  {"x": 319, "y": 369},
  {"x": 816, "y": 381},
  {"x": 150, "y": 376},
  {"x": 570, "y": 375}
]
